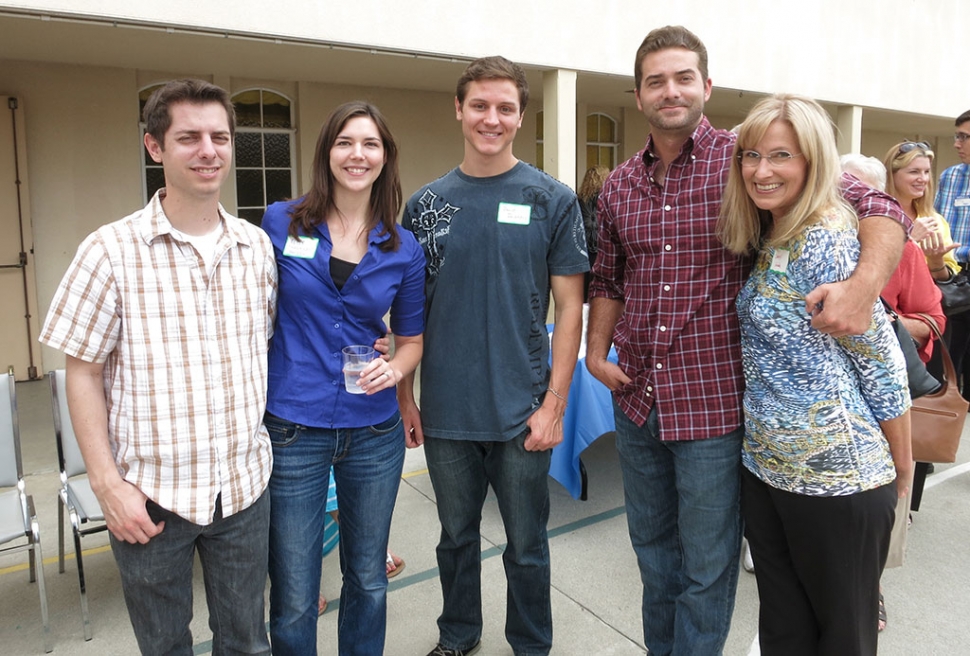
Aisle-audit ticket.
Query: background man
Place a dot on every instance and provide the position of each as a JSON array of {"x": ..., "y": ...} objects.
[
  {"x": 498, "y": 234},
  {"x": 663, "y": 289},
  {"x": 953, "y": 202},
  {"x": 165, "y": 317}
]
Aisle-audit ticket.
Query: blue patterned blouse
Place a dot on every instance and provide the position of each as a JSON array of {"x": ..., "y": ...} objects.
[{"x": 813, "y": 402}]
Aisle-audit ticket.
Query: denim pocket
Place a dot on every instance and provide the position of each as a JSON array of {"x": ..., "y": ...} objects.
[
  {"x": 386, "y": 426},
  {"x": 281, "y": 432}
]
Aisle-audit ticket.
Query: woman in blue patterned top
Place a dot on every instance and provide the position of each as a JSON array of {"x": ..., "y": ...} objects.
[{"x": 826, "y": 418}]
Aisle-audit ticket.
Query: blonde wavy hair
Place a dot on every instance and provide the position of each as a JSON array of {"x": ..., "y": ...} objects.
[
  {"x": 896, "y": 161},
  {"x": 592, "y": 182},
  {"x": 741, "y": 226}
]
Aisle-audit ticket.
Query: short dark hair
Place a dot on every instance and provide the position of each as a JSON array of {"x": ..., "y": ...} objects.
[
  {"x": 671, "y": 36},
  {"x": 494, "y": 68},
  {"x": 963, "y": 118},
  {"x": 158, "y": 117},
  {"x": 385, "y": 195}
]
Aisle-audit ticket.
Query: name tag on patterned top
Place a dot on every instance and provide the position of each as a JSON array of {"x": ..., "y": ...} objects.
[
  {"x": 514, "y": 214},
  {"x": 962, "y": 201},
  {"x": 303, "y": 247},
  {"x": 779, "y": 261}
]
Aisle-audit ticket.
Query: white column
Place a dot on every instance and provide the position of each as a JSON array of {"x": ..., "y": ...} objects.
[
  {"x": 582, "y": 109},
  {"x": 849, "y": 121},
  {"x": 559, "y": 125}
]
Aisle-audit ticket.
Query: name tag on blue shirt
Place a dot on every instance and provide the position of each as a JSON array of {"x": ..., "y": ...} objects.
[
  {"x": 962, "y": 201},
  {"x": 304, "y": 247},
  {"x": 514, "y": 214},
  {"x": 779, "y": 261}
]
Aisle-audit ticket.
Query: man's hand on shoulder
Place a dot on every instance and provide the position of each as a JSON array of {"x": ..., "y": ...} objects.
[{"x": 840, "y": 308}]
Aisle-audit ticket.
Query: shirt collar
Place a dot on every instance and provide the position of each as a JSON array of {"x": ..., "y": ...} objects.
[
  {"x": 158, "y": 223},
  {"x": 697, "y": 143},
  {"x": 373, "y": 238}
]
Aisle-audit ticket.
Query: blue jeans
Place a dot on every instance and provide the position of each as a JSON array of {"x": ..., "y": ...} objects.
[
  {"x": 460, "y": 472},
  {"x": 367, "y": 464},
  {"x": 683, "y": 511},
  {"x": 157, "y": 581}
]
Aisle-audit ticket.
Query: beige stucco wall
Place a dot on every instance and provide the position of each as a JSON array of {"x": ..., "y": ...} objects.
[{"x": 838, "y": 51}]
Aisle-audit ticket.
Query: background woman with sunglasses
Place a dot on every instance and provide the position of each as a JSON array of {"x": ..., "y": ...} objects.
[{"x": 910, "y": 181}]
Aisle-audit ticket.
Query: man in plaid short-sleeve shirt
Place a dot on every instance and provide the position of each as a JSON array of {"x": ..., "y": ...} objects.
[
  {"x": 663, "y": 289},
  {"x": 165, "y": 318}
]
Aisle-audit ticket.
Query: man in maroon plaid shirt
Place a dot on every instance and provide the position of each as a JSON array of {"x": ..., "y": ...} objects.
[{"x": 663, "y": 290}]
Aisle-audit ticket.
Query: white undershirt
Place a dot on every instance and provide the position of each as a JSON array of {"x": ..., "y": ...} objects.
[{"x": 204, "y": 244}]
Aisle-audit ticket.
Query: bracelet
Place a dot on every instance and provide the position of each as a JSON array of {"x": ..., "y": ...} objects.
[{"x": 558, "y": 395}]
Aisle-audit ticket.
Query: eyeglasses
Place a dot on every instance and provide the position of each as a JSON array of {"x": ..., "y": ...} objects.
[
  {"x": 961, "y": 137},
  {"x": 752, "y": 158},
  {"x": 922, "y": 145}
]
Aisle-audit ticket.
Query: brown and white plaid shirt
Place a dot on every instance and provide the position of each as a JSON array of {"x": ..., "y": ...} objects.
[{"x": 184, "y": 353}]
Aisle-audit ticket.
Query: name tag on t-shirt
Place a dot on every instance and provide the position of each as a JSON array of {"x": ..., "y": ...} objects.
[
  {"x": 779, "y": 261},
  {"x": 514, "y": 214},
  {"x": 962, "y": 201},
  {"x": 304, "y": 247}
]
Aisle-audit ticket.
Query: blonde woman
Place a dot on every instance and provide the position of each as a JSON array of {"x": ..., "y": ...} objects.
[
  {"x": 826, "y": 449},
  {"x": 909, "y": 179}
]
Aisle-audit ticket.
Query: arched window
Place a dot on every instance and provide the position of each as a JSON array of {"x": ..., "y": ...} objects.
[
  {"x": 265, "y": 155},
  {"x": 601, "y": 143}
]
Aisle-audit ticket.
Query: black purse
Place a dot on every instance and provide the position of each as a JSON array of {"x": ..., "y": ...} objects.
[
  {"x": 956, "y": 294},
  {"x": 921, "y": 382}
]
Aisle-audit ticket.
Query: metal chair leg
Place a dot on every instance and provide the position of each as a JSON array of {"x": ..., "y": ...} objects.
[
  {"x": 41, "y": 586},
  {"x": 80, "y": 577},
  {"x": 32, "y": 566},
  {"x": 60, "y": 534}
]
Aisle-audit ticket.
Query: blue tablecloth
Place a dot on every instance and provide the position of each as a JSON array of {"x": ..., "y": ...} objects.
[{"x": 589, "y": 414}]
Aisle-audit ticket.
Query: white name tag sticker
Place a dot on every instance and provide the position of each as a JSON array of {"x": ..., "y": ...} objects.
[
  {"x": 779, "y": 261},
  {"x": 514, "y": 214},
  {"x": 962, "y": 201},
  {"x": 304, "y": 247}
]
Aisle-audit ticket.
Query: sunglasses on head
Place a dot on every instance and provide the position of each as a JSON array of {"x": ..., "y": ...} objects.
[{"x": 913, "y": 145}]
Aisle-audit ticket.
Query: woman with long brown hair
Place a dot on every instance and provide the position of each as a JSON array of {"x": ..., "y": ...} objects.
[{"x": 343, "y": 263}]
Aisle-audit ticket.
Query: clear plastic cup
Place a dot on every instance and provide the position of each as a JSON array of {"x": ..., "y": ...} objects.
[{"x": 356, "y": 359}]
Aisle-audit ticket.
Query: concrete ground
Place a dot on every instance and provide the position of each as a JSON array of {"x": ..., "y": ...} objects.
[{"x": 595, "y": 583}]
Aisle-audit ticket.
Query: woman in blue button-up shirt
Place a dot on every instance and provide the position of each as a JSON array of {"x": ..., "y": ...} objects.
[{"x": 343, "y": 263}]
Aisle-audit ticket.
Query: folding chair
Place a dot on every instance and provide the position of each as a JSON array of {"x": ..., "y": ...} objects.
[
  {"x": 75, "y": 495},
  {"x": 17, "y": 517}
]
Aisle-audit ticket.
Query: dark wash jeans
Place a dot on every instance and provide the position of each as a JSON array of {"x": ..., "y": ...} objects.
[
  {"x": 157, "y": 581},
  {"x": 461, "y": 471},
  {"x": 367, "y": 464},
  {"x": 683, "y": 511}
]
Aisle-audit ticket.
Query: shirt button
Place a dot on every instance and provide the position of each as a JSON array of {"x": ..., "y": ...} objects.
[
  {"x": 649, "y": 388},
  {"x": 659, "y": 366},
  {"x": 667, "y": 208},
  {"x": 667, "y": 247},
  {"x": 666, "y": 288},
  {"x": 336, "y": 325},
  {"x": 663, "y": 329}
]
